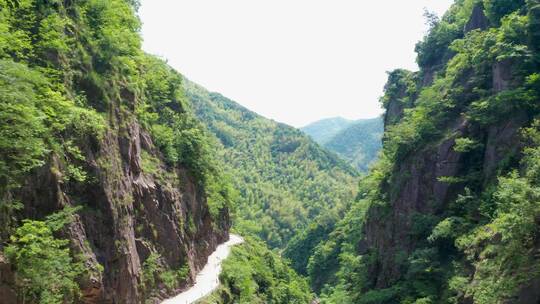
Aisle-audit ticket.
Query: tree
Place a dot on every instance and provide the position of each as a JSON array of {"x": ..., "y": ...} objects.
[{"x": 45, "y": 271}]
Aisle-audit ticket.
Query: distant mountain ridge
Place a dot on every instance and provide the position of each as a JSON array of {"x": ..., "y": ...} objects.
[
  {"x": 356, "y": 141},
  {"x": 284, "y": 177},
  {"x": 324, "y": 130}
]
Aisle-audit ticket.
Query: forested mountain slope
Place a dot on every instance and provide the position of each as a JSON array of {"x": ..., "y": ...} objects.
[
  {"x": 356, "y": 141},
  {"x": 109, "y": 192},
  {"x": 450, "y": 213},
  {"x": 285, "y": 179},
  {"x": 359, "y": 143},
  {"x": 117, "y": 175},
  {"x": 324, "y": 130},
  {"x": 256, "y": 275}
]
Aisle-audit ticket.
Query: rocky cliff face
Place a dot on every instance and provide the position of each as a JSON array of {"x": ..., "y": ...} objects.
[
  {"x": 144, "y": 225},
  {"x": 7, "y": 294},
  {"x": 398, "y": 97},
  {"x": 129, "y": 214},
  {"x": 419, "y": 185},
  {"x": 457, "y": 153},
  {"x": 420, "y": 192},
  {"x": 478, "y": 19}
]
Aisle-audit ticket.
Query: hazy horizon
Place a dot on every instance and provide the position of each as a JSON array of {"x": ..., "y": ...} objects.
[{"x": 294, "y": 62}]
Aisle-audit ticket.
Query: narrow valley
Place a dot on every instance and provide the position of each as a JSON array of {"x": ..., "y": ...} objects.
[{"x": 122, "y": 181}]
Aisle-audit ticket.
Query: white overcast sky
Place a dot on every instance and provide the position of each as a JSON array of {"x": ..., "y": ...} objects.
[{"x": 295, "y": 61}]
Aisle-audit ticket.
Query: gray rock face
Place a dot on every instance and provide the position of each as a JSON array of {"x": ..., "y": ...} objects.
[
  {"x": 420, "y": 192},
  {"x": 7, "y": 294},
  {"x": 400, "y": 99},
  {"x": 502, "y": 140},
  {"x": 528, "y": 294},
  {"x": 415, "y": 187},
  {"x": 394, "y": 113},
  {"x": 128, "y": 214},
  {"x": 502, "y": 75},
  {"x": 428, "y": 76},
  {"x": 478, "y": 20}
]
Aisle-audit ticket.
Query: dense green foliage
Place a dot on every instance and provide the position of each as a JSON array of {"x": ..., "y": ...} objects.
[
  {"x": 285, "y": 180},
  {"x": 153, "y": 269},
  {"x": 335, "y": 265},
  {"x": 72, "y": 77},
  {"x": 72, "y": 73},
  {"x": 46, "y": 272},
  {"x": 54, "y": 83},
  {"x": 482, "y": 246},
  {"x": 301, "y": 247},
  {"x": 253, "y": 274},
  {"x": 325, "y": 129},
  {"x": 49, "y": 94},
  {"x": 359, "y": 143}
]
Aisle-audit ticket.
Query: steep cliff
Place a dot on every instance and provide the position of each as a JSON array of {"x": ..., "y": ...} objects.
[
  {"x": 98, "y": 150},
  {"x": 450, "y": 212}
]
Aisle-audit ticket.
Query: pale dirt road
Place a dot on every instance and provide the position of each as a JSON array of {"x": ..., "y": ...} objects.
[{"x": 208, "y": 279}]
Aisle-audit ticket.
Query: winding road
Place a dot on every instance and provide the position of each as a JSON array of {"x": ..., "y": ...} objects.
[{"x": 208, "y": 279}]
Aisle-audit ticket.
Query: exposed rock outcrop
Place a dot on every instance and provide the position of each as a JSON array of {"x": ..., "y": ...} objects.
[
  {"x": 478, "y": 20},
  {"x": 7, "y": 294},
  {"x": 502, "y": 75},
  {"x": 134, "y": 202},
  {"x": 399, "y": 99},
  {"x": 502, "y": 141},
  {"x": 127, "y": 215},
  {"x": 421, "y": 191},
  {"x": 394, "y": 113}
]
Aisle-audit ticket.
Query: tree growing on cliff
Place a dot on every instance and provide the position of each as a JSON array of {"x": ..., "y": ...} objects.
[{"x": 45, "y": 271}]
